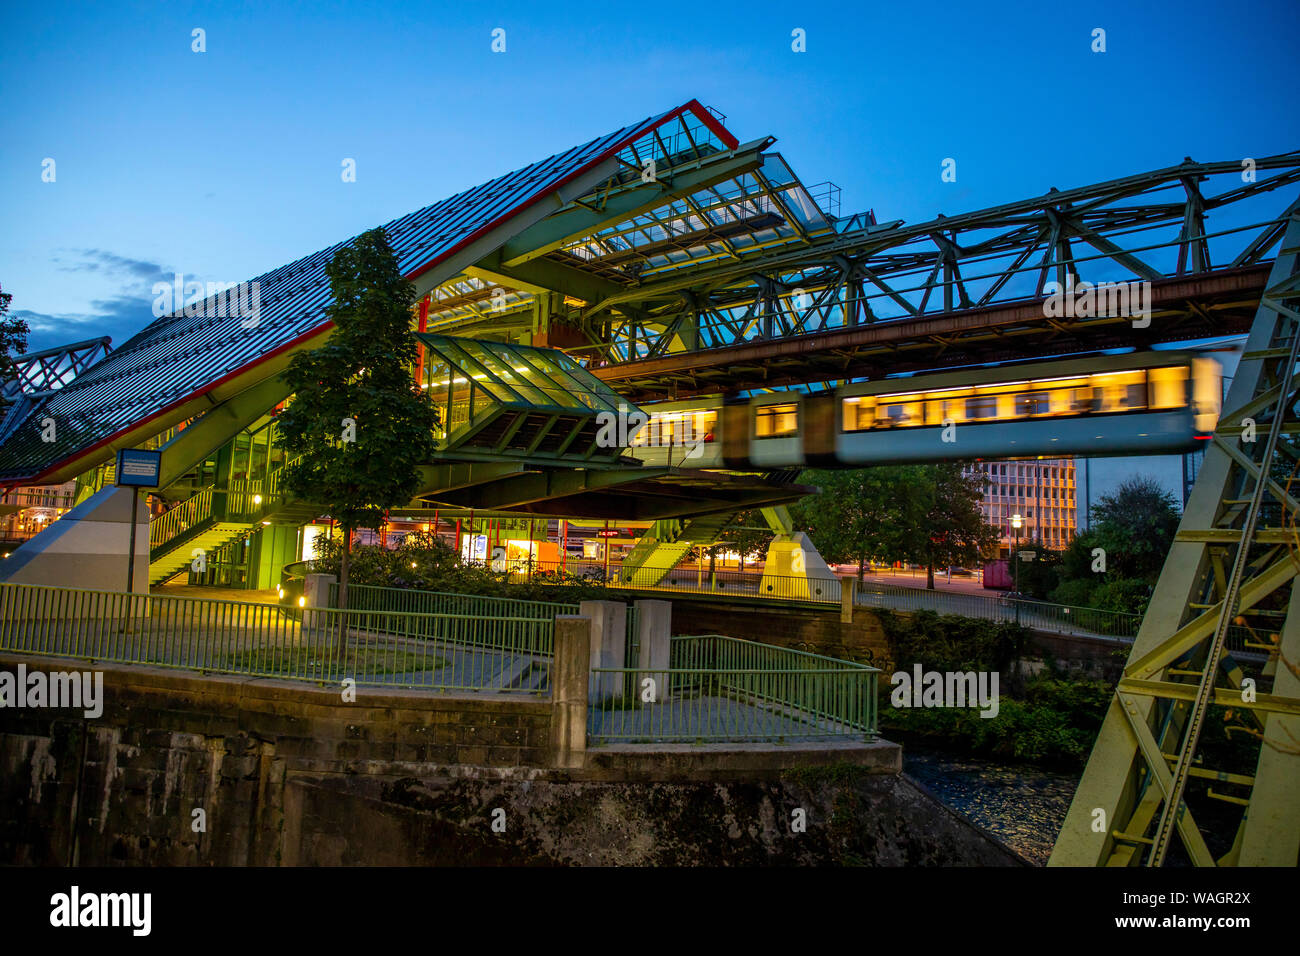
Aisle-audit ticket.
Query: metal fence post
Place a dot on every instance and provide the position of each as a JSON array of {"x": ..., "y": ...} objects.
[{"x": 569, "y": 672}]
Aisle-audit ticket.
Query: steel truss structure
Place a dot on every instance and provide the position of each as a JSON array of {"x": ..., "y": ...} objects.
[
  {"x": 1199, "y": 757},
  {"x": 50, "y": 369},
  {"x": 748, "y": 283}
]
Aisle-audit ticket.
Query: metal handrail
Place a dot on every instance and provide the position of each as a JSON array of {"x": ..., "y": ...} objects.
[
  {"x": 178, "y": 520},
  {"x": 423, "y": 651}
]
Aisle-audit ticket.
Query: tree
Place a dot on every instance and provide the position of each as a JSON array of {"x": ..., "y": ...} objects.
[
  {"x": 857, "y": 516},
  {"x": 1136, "y": 527},
  {"x": 943, "y": 516},
  {"x": 923, "y": 513},
  {"x": 359, "y": 426},
  {"x": 13, "y": 338},
  {"x": 747, "y": 534}
]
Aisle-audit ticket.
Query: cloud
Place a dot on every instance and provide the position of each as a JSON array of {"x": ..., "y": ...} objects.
[
  {"x": 109, "y": 263},
  {"x": 127, "y": 308}
]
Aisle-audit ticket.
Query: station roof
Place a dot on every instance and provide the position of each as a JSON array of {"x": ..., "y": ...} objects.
[
  {"x": 179, "y": 365},
  {"x": 516, "y": 402}
]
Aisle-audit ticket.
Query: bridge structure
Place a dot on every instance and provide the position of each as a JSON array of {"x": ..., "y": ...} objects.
[{"x": 669, "y": 259}]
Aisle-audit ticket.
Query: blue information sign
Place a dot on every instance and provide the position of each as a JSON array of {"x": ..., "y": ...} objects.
[{"x": 139, "y": 469}]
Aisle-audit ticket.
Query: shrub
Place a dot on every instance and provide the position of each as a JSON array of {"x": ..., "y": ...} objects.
[
  {"x": 425, "y": 563},
  {"x": 1076, "y": 593},
  {"x": 951, "y": 643}
]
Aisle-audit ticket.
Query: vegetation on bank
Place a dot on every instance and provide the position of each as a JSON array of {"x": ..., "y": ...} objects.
[
  {"x": 1114, "y": 565},
  {"x": 1046, "y": 719},
  {"x": 424, "y": 563}
]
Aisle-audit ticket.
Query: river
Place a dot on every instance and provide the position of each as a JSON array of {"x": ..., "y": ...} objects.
[{"x": 1023, "y": 806}]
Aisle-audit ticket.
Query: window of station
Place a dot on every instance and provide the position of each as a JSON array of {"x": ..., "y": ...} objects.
[
  {"x": 677, "y": 428},
  {"x": 776, "y": 421}
]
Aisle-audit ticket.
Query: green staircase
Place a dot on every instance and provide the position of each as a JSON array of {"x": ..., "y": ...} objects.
[
  {"x": 214, "y": 518},
  {"x": 666, "y": 543}
]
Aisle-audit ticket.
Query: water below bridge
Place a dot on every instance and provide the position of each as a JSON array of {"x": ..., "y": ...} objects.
[{"x": 1021, "y": 805}]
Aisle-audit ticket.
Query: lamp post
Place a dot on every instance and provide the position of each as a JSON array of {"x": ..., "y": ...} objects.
[{"x": 1016, "y": 522}]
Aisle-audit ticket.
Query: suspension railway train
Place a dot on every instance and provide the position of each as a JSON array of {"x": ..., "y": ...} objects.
[{"x": 1131, "y": 404}]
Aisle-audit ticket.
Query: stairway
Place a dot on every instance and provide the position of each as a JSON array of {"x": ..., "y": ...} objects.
[
  {"x": 666, "y": 543},
  {"x": 176, "y": 558},
  {"x": 210, "y": 520}
]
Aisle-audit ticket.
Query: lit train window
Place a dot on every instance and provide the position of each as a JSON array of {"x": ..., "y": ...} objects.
[
  {"x": 859, "y": 413},
  {"x": 1121, "y": 391},
  {"x": 776, "y": 421},
  {"x": 706, "y": 425},
  {"x": 899, "y": 416},
  {"x": 1206, "y": 394},
  {"x": 1168, "y": 386},
  {"x": 1033, "y": 403},
  {"x": 983, "y": 406}
]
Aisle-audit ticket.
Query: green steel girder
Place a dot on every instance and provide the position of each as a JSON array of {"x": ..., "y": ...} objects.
[
  {"x": 530, "y": 487},
  {"x": 450, "y": 476},
  {"x": 948, "y": 265},
  {"x": 545, "y": 275},
  {"x": 642, "y": 494},
  {"x": 1225, "y": 568},
  {"x": 217, "y": 426}
]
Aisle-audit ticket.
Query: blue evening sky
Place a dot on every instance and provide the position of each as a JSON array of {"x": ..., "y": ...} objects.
[{"x": 225, "y": 164}]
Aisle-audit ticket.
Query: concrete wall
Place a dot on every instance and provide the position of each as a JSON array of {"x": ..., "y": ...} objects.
[
  {"x": 863, "y": 639},
  {"x": 821, "y": 632},
  {"x": 87, "y": 547},
  {"x": 287, "y": 773}
]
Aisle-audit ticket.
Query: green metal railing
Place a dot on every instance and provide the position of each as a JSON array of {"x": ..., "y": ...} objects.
[
  {"x": 368, "y": 597},
  {"x": 428, "y": 651},
  {"x": 171, "y": 524},
  {"x": 1038, "y": 615},
  {"x": 743, "y": 584},
  {"x": 725, "y": 689}
]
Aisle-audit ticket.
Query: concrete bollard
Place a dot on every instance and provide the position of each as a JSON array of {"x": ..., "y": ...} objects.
[
  {"x": 608, "y": 646},
  {"x": 316, "y": 590},
  {"x": 569, "y": 674},
  {"x": 654, "y": 624},
  {"x": 848, "y": 598}
]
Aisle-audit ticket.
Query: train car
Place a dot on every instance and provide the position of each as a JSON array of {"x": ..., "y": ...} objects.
[
  {"x": 680, "y": 434},
  {"x": 764, "y": 431},
  {"x": 1132, "y": 404}
]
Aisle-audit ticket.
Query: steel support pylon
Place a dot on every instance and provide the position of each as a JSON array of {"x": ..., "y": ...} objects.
[{"x": 1198, "y": 759}]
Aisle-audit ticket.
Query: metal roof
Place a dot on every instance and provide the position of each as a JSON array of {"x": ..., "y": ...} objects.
[{"x": 178, "y": 357}]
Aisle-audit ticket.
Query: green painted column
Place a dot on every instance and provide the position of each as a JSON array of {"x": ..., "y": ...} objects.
[{"x": 274, "y": 546}]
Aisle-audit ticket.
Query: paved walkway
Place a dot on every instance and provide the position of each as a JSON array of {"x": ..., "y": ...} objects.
[{"x": 268, "y": 596}]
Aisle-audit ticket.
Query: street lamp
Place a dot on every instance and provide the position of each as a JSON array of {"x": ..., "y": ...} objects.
[{"x": 1016, "y": 523}]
